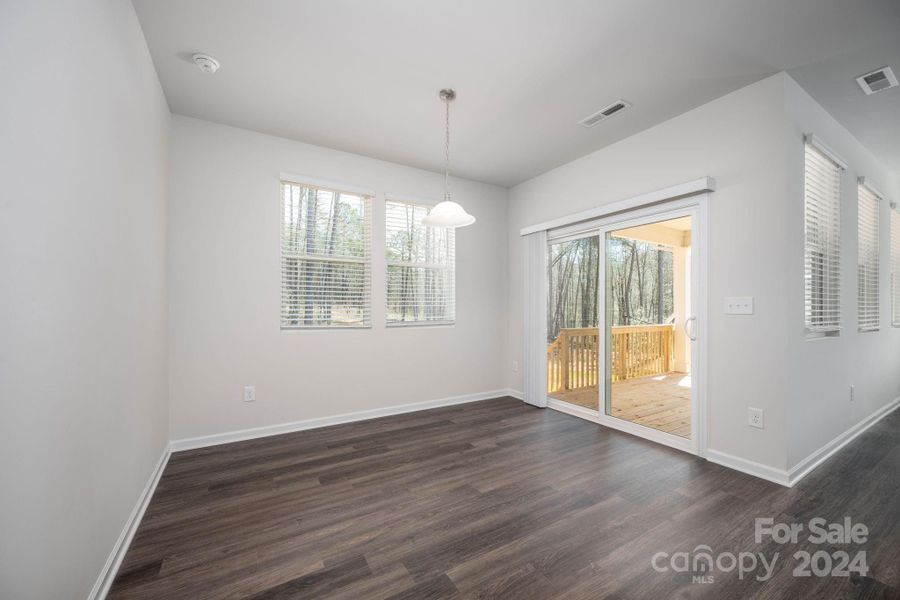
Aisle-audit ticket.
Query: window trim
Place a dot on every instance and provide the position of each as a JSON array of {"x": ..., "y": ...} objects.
[
  {"x": 817, "y": 143},
  {"x": 427, "y": 204},
  {"x": 368, "y": 196},
  {"x": 328, "y": 186}
]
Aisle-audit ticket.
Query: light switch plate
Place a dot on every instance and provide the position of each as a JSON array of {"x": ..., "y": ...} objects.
[{"x": 739, "y": 305}]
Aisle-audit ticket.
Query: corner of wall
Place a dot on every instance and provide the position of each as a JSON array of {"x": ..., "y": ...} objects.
[{"x": 821, "y": 418}]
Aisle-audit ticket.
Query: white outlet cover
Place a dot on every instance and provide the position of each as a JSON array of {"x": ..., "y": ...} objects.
[
  {"x": 250, "y": 393},
  {"x": 756, "y": 417},
  {"x": 739, "y": 305}
]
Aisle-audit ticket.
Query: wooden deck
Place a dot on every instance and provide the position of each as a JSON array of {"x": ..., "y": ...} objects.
[{"x": 662, "y": 402}]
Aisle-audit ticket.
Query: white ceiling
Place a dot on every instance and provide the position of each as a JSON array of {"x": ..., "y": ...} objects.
[{"x": 363, "y": 76}]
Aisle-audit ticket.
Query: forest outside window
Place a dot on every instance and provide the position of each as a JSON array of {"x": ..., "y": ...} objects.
[
  {"x": 421, "y": 263},
  {"x": 325, "y": 258}
]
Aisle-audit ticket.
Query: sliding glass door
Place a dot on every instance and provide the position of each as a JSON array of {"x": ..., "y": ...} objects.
[
  {"x": 574, "y": 350},
  {"x": 649, "y": 328}
]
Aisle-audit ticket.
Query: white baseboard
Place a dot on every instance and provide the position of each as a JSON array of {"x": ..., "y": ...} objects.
[
  {"x": 790, "y": 477},
  {"x": 267, "y": 430},
  {"x": 111, "y": 568},
  {"x": 779, "y": 476},
  {"x": 515, "y": 394},
  {"x": 805, "y": 466}
]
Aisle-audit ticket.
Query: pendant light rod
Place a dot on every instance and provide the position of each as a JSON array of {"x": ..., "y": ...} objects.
[{"x": 447, "y": 95}]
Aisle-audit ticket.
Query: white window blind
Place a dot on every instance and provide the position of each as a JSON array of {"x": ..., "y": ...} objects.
[
  {"x": 867, "y": 266},
  {"x": 822, "y": 220},
  {"x": 325, "y": 258},
  {"x": 895, "y": 268},
  {"x": 421, "y": 264}
]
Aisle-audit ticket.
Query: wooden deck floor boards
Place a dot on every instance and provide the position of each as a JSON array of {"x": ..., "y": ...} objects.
[
  {"x": 662, "y": 402},
  {"x": 493, "y": 499}
]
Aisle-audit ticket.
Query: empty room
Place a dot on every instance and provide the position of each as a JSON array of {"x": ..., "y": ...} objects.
[{"x": 420, "y": 300}]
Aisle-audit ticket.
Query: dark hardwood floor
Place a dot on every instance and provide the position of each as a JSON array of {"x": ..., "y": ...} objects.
[{"x": 493, "y": 499}]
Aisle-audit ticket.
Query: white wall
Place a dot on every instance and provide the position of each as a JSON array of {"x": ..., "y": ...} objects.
[
  {"x": 822, "y": 370},
  {"x": 751, "y": 141},
  {"x": 739, "y": 140},
  {"x": 83, "y": 144},
  {"x": 225, "y": 292}
]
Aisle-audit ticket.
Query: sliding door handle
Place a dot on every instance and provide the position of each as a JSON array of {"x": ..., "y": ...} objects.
[{"x": 689, "y": 328}]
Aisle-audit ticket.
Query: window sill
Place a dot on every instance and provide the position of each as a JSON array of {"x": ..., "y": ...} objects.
[
  {"x": 404, "y": 325},
  {"x": 323, "y": 327},
  {"x": 813, "y": 336}
]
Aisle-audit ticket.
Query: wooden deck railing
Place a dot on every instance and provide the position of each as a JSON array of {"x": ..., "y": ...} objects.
[{"x": 637, "y": 351}]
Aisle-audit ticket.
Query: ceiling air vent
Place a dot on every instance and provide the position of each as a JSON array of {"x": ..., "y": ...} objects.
[
  {"x": 604, "y": 113},
  {"x": 877, "y": 81}
]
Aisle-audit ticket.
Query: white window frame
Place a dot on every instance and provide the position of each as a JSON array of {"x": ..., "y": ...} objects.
[
  {"x": 450, "y": 267},
  {"x": 823, "y": 171},
  {"x": 868, "y": 260},
  {"x": 368, "y": 197}
]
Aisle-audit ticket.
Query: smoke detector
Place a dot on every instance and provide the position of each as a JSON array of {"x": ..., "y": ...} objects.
[
  {"x": 604, "y": 113},
  {"x": 206, "y": 63},
  {"x": 877, "y": 80}
]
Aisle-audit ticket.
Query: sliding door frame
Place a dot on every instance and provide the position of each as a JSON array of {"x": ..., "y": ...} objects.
[{"x": 695, "y": 206}]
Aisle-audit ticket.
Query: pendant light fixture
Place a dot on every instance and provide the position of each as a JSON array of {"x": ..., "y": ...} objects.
[{"x": 447, "y": 213}]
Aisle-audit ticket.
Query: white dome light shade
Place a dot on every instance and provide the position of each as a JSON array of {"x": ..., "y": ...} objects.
[{"x": 448, "y": 214}]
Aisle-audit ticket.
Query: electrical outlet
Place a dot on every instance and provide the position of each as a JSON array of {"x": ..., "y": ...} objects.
[
  {"x": 852, "y": 393},
  {"x": 739, "y": 305},
  {"x": 756, "y": 417},
  {"x": 249, "y": 393},
  {"x": 515, "y": 366}
]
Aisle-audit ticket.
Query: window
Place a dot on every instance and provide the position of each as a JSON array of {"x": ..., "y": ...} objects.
[
  {"x": 420, "y": 267},
  {"x": 822, "y": 219},
  {"x": 867, "y": 265},
  {"x": 325, "y": 258},
  {"x": 895, "y": 268}
]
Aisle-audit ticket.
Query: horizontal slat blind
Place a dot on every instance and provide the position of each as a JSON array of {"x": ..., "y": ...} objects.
[
  {"x": 822, "y": 242},
  {"x": 895, "y": 268},
  {"x": 867, "y": 266},
  {"x": 325, "y": 258},
  {"x": 421, "y": 267}
]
